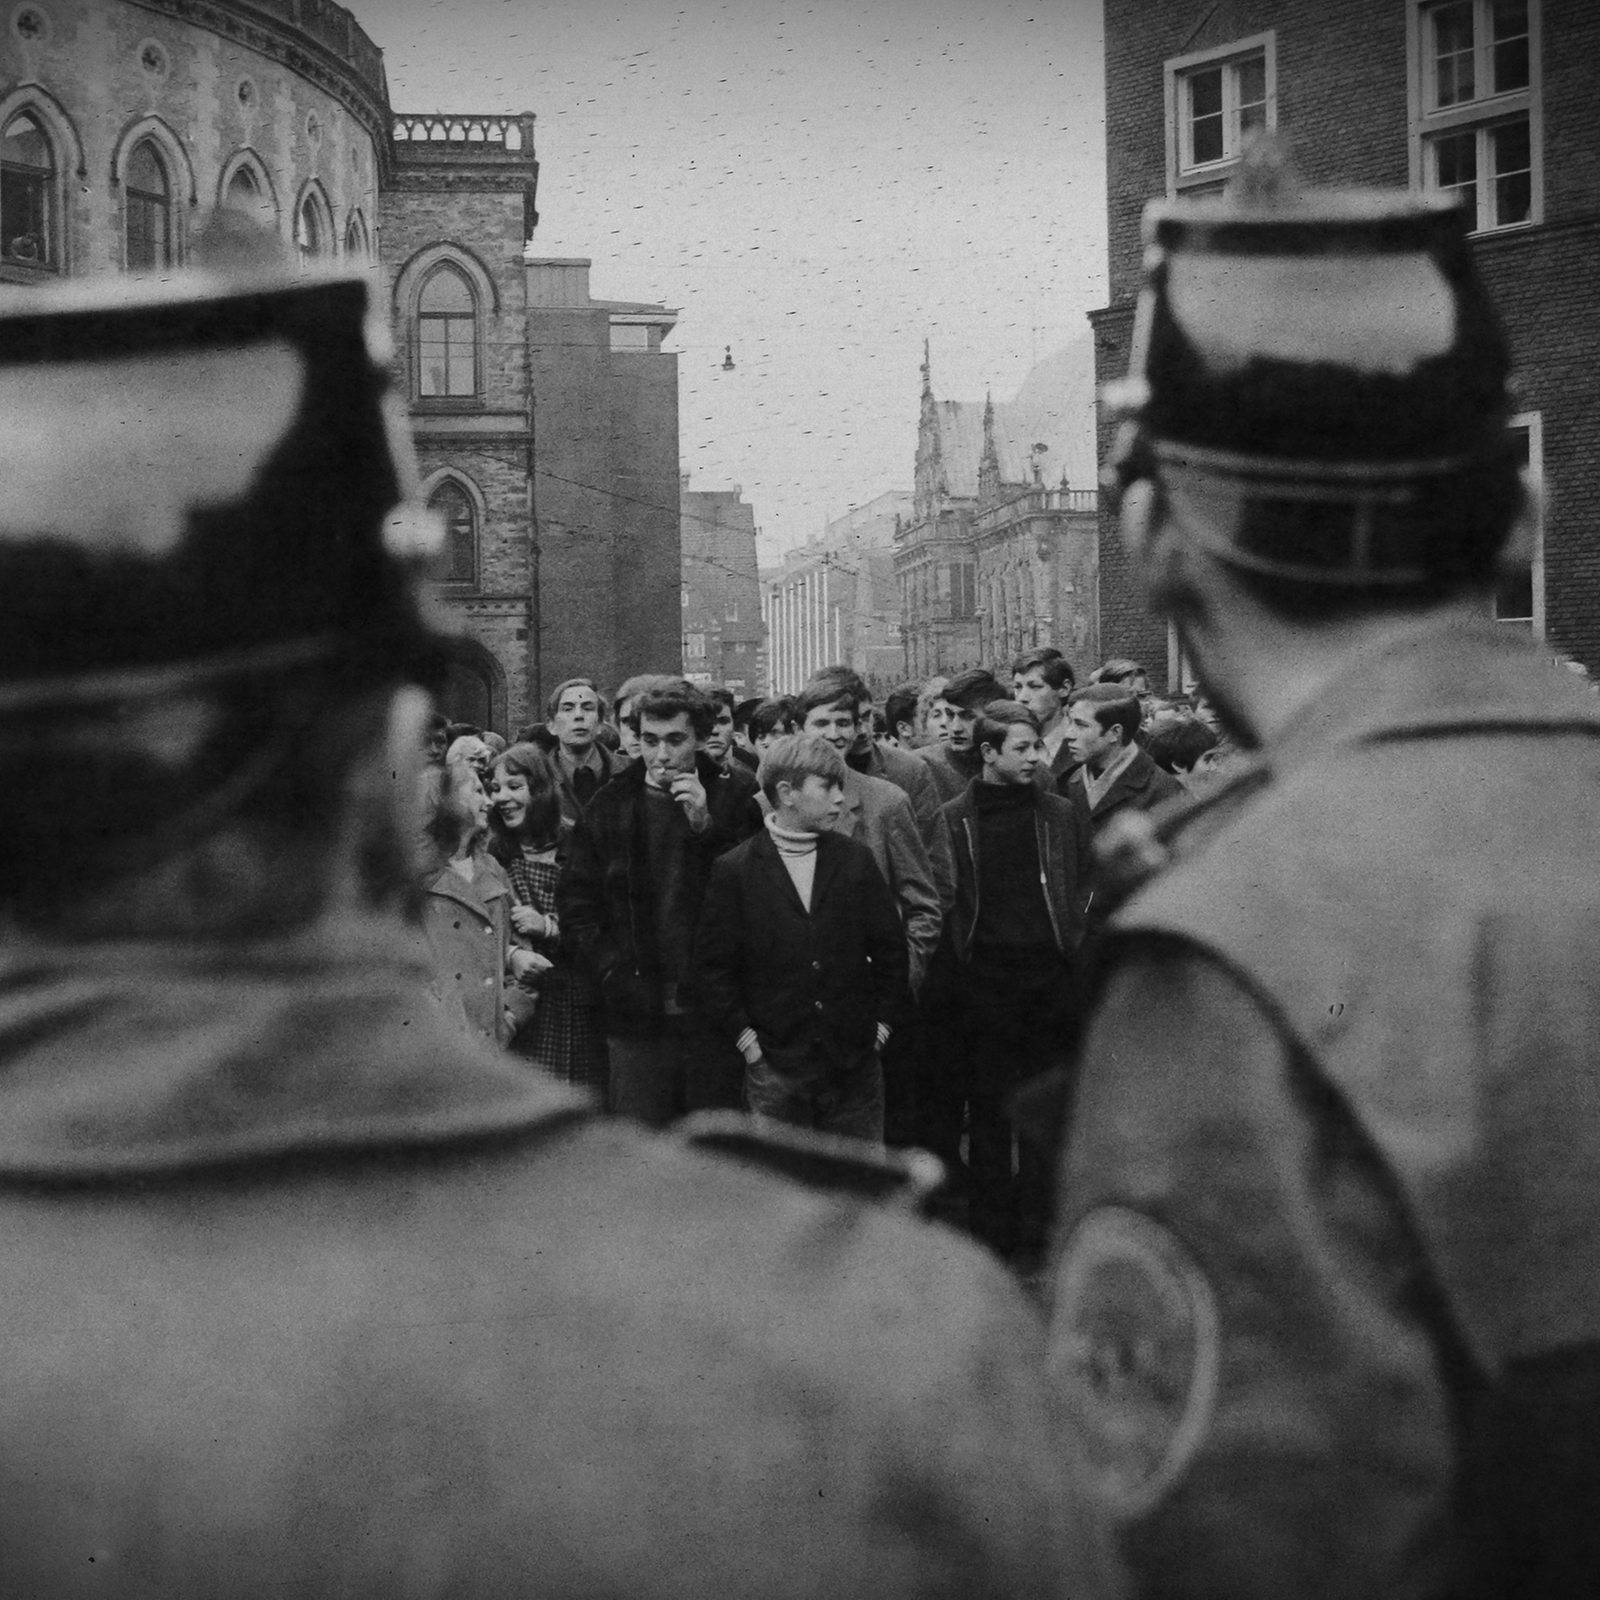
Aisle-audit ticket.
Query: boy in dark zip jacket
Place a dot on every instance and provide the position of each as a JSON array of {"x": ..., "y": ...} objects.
[{"x": 1012, "y": 865}]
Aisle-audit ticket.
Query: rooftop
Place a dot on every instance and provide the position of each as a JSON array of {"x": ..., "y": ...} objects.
[{"x": 451, "y": 137}]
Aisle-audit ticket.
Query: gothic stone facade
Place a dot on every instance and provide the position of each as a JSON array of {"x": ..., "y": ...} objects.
[
  {"x": 545, "y": 422},
  {"x": 994, "y": 561}
]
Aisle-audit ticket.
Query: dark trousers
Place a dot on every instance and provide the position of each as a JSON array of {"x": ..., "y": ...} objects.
[
  {"x": 904, "y": 1061},
  {"x": 994, "y": 1023},
  {"x": 820, "y": 1093},
  {"x": 682, "y": 1066}
]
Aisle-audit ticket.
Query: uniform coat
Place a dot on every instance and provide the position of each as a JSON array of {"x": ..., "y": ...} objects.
[
  {"x": 303, "y": 1294},
  {"x": 1339, "y": 1100}
]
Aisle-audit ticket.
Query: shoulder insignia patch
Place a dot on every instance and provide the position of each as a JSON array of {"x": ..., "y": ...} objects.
[{"x": 1135, "y": 1350}]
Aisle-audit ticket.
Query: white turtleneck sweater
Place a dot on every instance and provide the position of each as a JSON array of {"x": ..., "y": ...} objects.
[{"x": 798, "y": 852}]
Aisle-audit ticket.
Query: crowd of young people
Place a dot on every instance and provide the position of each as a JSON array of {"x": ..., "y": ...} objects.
[{"x": 865, "y": 920}]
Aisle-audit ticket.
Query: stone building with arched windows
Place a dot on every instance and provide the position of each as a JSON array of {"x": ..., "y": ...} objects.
[{"x": 545, "y": 421}]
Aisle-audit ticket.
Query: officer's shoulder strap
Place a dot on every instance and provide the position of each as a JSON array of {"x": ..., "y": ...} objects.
[{"x": 903, "y": 1178}]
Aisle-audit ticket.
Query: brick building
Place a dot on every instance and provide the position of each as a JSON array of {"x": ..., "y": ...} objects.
[
  {"x": 545, "y": 422},
  {"x": 1490, "y": 98},
  {"x": 723, "y": 634},
  {"x": 999, "y": 553}
]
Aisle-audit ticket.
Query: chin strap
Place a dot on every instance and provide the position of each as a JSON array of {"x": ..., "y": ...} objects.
[{"x": 126, "y": 685}]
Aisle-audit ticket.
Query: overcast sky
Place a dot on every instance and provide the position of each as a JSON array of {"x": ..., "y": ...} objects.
[{"x": 817, "y": 186}]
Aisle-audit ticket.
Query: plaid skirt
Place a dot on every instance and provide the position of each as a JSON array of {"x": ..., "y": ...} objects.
[{"x": 566, "y": 1034}]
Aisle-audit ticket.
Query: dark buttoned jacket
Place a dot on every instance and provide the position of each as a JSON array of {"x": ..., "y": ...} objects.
[{"x": 817, "y": 981}]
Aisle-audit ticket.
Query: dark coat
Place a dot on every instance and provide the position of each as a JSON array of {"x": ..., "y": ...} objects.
[
  {"x": 305, "y": 1295},
  {"x": 807, "y": 982},
  {"x": 1059, "y": 773},
  {"x": 1065, "y": 844},
  {"x": 606, "y": 899},
  {"x": 1344, "y": 1060},
  {"x": 1140, "y": 786},
  {"x": 950, "y": 778},
  {"x": 611, "y": 763}
]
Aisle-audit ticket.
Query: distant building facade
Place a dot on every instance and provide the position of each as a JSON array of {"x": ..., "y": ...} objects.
[
  {"x": 723, "y": 633},
  {"x": 545, "y": 422},
  {"x": 836, "y": 599},
  {"x": 1000, "y": 554},
  {"x": 804, "y": 605},
  {"x": 1481, "y": 97}
]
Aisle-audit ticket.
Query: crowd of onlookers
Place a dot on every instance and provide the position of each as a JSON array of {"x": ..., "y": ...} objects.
[{"x": 860, "y": 918}]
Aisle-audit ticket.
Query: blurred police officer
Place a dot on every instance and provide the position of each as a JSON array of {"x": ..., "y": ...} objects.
[
  {"x": 299, "y": 1293},
  {"x": 1327, "y": 1293}
]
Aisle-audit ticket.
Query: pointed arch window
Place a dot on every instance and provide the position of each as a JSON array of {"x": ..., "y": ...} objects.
[
  {"x": 27, "y": 194},
  {"x": 447, "y": 336},
  {"x": 248, "y": 194},
  {"x": 458, "y": 560},
  {"x": 147, "y": 210},
  {"x": 355, "y": 236},
  {"x": 310, "y": 229}
]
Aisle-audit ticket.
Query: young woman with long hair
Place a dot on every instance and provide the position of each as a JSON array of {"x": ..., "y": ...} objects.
[
  {"x": 565, "y": 1035},
  {"x": 467, "y": 902}
]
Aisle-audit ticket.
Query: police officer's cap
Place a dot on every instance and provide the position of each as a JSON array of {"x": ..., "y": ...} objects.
[
  {"x": 1323, "y": 374},
  {"x": 197, "y": 479}
]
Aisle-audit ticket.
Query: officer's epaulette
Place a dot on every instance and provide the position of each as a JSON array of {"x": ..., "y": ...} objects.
[
  {"x": 902, "y": 1178},
  {"x": 1136, "y": 846}
]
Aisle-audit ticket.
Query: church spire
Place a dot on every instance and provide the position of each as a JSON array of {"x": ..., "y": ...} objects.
[
  {"x": 989, "y": 458},
  {"x": 927, "y": 369}
]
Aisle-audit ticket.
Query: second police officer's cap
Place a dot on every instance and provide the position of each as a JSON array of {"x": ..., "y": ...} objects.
[
  {"x": 197, "y": 479},
  {"x": 1319, "y": 376}
]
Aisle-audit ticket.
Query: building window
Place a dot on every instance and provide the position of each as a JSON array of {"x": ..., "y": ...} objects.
[
  {"x": 355, "y": 237},
  {"x": 248, "y": 194},
  {"x": 147, "y": 210},
  {"x": 1476, "y": 123},
  {"x": 27, "y": 193},
  {"x": 447, "y": 337},
  {"x": 1214, "y": 99},
  {"x": 243, "y": 192},
  {"x": 311, "y": 233},
  {"x": 458, "y": 559},
  {"x": 1519, "y": 596},
  {"x": 963, "y": 588}
]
